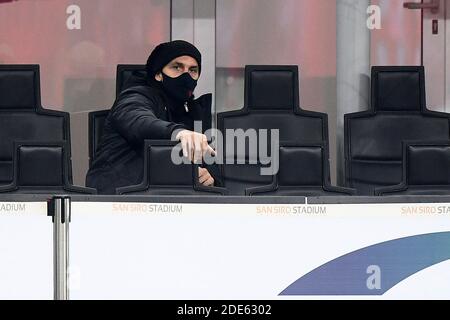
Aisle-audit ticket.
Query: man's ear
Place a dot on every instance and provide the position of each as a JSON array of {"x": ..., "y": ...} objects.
[{"x": 158, "y": 77}]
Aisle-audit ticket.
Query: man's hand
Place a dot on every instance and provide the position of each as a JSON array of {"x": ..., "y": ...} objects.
[
  {"x": 205, "y": 178},
  {"x": 195, "y": 145}
]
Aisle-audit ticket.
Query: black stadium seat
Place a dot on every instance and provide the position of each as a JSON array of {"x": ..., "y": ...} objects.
[
  {"x": 373, "y": 139},
  {"x": 303, "y": 171},
  {"x": 97, "y": 118},
  {"x": 163, "y": 177},
  {"x": 96, "y": 123},
  {"x": 124, "y": 71},
  {"x": 42, "y": 167},
  {"x": 426, "y": 170},
  {"x": 271, "y": 102},
  {"x": 22, "y": 117}
]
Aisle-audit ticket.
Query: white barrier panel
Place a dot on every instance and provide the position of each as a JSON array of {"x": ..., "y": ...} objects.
[
  {"x": 256, "y": 251},
  {"x": 26, "y": 251}
]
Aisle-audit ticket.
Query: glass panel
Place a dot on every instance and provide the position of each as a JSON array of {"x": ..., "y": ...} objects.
[
  {"x": 302, "y": 32},
  {"x": 272, "y": 32},
  {"x": 78, "y": 66},
  {"x": 399, "y": 40},
  {"x": 436, "y": 35}
]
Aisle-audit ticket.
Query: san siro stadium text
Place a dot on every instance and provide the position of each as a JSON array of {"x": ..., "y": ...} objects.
[
  {"x": 147, "y": 208},
  {"x": 286, "y": 210}
]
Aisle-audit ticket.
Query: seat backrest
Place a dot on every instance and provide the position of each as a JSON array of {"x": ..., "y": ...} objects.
[
  {"x": 271, "y": 102},
  {"x": 124, "y": 72},
  {"x": 271, "y": 88},
  {"x": 302, "y": 166},
  {"x": 41, "y": 167},
  {"x": 19, "y": 87},
  {"x": 161, "y": 169},
  {"x": 426, "y": 170},
  {"x": 427, "y": 164},
  {"x": 96, "y": 124},
  {"x": 373, "y": 139},
  {"x": 164, "y": 176},
  {"x": 303, "y": 170},
  {"x": 21, "y": 116},
  {"x": 397, "y": 88}
]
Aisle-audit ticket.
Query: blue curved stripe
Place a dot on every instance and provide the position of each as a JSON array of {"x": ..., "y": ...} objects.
[{"x": 396, "y": 259}]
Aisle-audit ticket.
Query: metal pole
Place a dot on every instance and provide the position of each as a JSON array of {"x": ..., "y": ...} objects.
[
  {"x": 352, "y": 67},
  {"x": 61, "y": 219}
]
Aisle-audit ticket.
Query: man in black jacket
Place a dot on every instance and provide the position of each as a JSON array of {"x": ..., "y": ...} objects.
[{"x": 158, "y": 105}]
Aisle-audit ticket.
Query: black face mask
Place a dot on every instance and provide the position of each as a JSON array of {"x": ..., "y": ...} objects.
[{"x": 180, "y": 88}]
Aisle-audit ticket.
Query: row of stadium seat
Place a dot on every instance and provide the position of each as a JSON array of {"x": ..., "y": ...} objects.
[{"x": 398, "y": 142}]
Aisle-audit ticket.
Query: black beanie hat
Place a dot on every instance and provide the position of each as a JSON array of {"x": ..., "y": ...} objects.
[{"x": 166, "y": 52}]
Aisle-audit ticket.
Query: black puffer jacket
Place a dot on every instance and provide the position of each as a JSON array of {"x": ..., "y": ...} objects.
[{"x": 142, "y": 111}]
